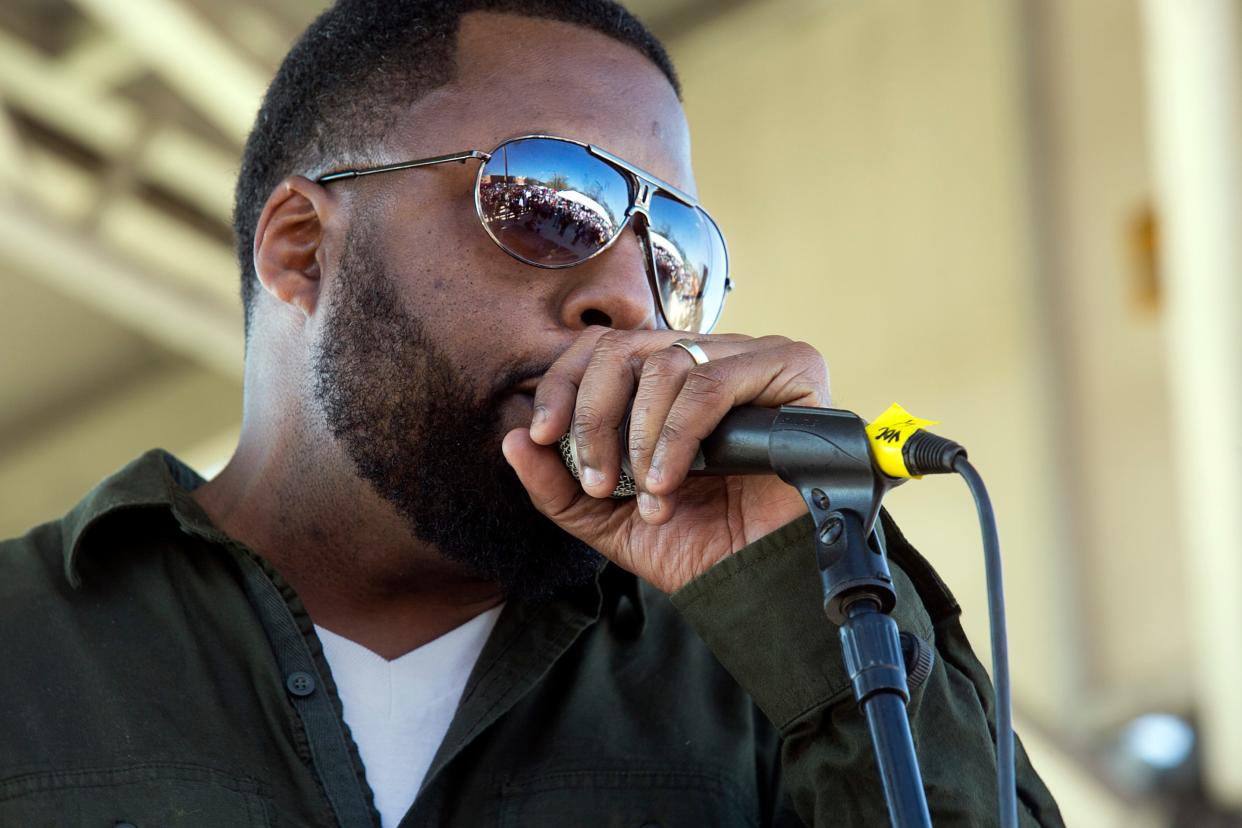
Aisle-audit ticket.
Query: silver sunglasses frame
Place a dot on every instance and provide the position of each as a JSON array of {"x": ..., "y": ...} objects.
[{"x": 647, "y": 186}]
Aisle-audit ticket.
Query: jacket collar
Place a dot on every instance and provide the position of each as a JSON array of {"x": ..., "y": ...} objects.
[
  {"x": 158, "y": 480},
  {"x": 154, "y": 480}
]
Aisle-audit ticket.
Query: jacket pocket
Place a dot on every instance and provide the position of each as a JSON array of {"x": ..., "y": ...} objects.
[
  {"x": 144, "y": 796},
  {"x": 625, "y": 799}
]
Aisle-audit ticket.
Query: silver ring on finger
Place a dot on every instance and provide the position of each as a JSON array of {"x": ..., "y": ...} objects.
[{"x": 695, "y": 351}]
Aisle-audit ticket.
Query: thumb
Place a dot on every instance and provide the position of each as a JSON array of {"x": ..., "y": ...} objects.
[{"x": 551, "y": 487}]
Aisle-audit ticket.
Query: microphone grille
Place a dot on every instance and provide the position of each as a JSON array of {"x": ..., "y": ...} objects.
[{"x": 569, "y": 454}]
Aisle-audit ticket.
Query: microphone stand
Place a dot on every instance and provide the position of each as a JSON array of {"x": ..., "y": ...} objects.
[{"x": 825, "y": 454}]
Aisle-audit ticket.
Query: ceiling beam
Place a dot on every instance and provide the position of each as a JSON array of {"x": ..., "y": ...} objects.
[
  {"x": 207, "y": 332},
  {"x": 12, "y": 152},
  {"x": 190, "y": 55},
  {"x": 195, "y": 170},
  {"x": 102, "y": 61},
  {"x": 135, "y": 230}
]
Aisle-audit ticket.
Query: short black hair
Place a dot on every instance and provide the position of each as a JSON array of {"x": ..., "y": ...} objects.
[{"x": 353, "y": 71}]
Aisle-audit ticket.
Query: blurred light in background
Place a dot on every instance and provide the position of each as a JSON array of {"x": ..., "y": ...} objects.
[
  {"x": 970, "y": 206},
  {"x": 1160, "y": 742}
]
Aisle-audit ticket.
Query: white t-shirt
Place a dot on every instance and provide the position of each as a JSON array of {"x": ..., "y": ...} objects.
[{"x": 399, "y": 711}]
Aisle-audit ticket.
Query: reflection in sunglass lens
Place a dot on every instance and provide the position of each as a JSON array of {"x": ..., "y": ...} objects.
[
  {"x": 689, "y": 255},
  {"x": 551, "y": 202}
]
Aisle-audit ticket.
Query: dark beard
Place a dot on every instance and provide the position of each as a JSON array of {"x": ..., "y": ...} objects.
[{"x": 417, "y": 435}]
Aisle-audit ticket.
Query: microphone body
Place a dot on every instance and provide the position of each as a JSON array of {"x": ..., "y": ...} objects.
[
  {"x": 738, "y": 445},
  {"x": 742, "y": 443}
]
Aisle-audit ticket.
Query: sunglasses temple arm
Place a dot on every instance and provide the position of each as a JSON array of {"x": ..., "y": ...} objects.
[{"x": 463, "y": 157}]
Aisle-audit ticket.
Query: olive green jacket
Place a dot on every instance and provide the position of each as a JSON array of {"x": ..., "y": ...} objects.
[{"x": 158, "y": 673}]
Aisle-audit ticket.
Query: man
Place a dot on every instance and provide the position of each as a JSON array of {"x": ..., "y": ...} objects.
[{"x": 395, "y": 605}]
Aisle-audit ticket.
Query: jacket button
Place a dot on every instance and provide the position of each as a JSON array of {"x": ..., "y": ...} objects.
[{"x": 300, "y": 684}]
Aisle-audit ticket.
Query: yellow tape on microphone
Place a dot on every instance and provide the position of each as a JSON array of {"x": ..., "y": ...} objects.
[{"x": 889, "y": 433}]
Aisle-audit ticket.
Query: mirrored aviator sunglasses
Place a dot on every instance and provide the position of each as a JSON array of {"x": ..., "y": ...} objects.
[{"x": 555, "y": 203}]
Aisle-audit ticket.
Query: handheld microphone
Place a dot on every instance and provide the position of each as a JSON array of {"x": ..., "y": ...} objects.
[{"x": 901, "y": 447}]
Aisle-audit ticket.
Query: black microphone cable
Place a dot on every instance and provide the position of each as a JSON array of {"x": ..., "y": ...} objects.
[{"x": 927, "y": 453}]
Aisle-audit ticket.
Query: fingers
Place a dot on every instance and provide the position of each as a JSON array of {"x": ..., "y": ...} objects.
[
  {"x": 603, "y": 399},
  {"x": 676, "y": 403},
  {"x": 662, "y": 378},
  {"x": 788, "y": 373},
  {"x": 558, "y": 390},
  {"x": 587, "y": 392},
  {"x": 613, "y": 373}
]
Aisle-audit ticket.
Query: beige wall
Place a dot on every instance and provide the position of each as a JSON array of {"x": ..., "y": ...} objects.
[
  {"x": 942, "y": 197},
  {"x": 1096, "y": 162},
  {"x": 867, "y": 161}
]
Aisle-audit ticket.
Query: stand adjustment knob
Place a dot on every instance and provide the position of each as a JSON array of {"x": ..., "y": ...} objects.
[{"x": 920, "y": 658}]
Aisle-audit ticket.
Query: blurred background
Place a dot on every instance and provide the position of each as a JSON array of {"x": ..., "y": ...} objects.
[{"x": 1018, "y": 217}]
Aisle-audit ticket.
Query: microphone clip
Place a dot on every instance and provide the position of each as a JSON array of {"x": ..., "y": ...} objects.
[{"x": 826, "y": 455}]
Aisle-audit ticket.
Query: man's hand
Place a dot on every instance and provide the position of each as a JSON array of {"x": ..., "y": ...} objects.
[{"x": 676, "y": 528}]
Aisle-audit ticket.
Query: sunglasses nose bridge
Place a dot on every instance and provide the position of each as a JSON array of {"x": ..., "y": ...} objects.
[
  {"x": 638, "y": 220},
  {"x": 642, "y": 199},
  {"x": 636, "y": 210}
]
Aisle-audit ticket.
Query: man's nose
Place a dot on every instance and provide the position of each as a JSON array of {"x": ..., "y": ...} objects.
[{"x": 612, "y": 289}]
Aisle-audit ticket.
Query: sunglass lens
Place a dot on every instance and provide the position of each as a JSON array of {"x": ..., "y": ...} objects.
[
  {"x": 551, "y": 202},
  {"x": 690, "y": 262}
]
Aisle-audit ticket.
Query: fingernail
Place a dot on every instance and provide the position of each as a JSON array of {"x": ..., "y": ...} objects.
[
  {"x": 592, "y": 477},
  {"x": 648, "y": 503},
  {"x": 541, "y": 414}
]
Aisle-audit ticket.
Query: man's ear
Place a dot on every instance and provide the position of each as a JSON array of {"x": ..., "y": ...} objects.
[{"x": 288, "y": 241}]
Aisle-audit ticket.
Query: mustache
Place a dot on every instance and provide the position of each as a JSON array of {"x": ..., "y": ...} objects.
[{"x": 506, "y": 383}]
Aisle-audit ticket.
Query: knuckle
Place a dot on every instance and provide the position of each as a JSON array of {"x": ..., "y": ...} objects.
[
  {"x": 660, "y": 365},
  {"x": 638, "y": 442},
  {"x": 704, "y": 383},
  {"x": 640, "y": 419},
  {"x": 821, "y": 375},
  {"x": 554, "y": 384},
  {"x": 614, "y": 353},
  {"x": 815, "y": 366},
  {"x": 588, "y": 420},
  {"x": 808, "y": 363},
  {"x": 557, "y": 378},
  {"x": 776, "y": 341},
  {"x": 805, "y": 351},
  {"x": 558, "y": 371},
  {"x": 674, "y": 428},
  {"x": 612, "y": 341}
]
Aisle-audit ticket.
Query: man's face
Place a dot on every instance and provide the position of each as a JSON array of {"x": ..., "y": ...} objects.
[{"x": 430, "y": 339}]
